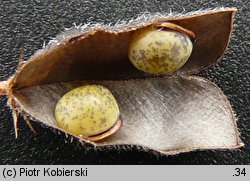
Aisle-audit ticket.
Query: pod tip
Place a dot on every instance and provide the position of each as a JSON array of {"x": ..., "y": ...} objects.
[{"x": 3, "y": 88}]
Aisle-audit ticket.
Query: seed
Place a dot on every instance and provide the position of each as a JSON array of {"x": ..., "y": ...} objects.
[
  {"x": 87, "y": 110},
  {"x": 159, "y": 51}
]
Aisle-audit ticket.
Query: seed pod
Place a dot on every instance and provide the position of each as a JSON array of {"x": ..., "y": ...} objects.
[
  {"x": 169, "y": 114},
  {"x": 87, "y": 111}
]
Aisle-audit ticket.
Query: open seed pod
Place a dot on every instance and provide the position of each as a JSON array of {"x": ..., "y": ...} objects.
[{"x": 170, "y": 114}]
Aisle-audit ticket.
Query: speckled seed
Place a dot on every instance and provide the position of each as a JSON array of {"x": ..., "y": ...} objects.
[
  {"x": 157, "y": 51},
  {"x": 88, "y": 110}
]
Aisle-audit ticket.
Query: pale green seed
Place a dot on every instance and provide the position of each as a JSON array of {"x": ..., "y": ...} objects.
[
  {"x": 157, "y": 51},
  {"x": 86, "y": 111}
]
